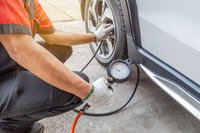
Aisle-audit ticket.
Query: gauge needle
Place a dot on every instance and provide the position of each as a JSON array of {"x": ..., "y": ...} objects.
[{"x": 118, "y": 70}]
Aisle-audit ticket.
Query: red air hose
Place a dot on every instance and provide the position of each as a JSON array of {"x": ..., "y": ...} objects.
[
  {"x": 76, "y": 121},
  {"x": 80, "y": 113}
]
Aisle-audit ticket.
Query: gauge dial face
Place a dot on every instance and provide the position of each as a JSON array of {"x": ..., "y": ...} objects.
[{"x": 120, "y": 71}]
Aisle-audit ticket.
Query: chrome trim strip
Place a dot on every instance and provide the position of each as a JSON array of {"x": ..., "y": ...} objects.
[{"x": 180, "y": 95}]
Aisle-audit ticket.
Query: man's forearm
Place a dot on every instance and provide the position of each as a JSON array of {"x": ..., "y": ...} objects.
[
  {"x": 43, "y": 64},
  {"x": 68, "y": 39}
]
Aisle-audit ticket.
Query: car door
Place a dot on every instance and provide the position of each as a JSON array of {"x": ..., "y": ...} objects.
[{"x": 170, "y": 31}]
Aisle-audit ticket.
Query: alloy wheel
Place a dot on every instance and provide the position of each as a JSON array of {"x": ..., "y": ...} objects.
[{"x": 100, "y": 12}]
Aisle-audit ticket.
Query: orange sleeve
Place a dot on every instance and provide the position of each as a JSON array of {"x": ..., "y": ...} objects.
[
  {"x": 46, "y": 26},
  {"x": 13, "y": 18}
]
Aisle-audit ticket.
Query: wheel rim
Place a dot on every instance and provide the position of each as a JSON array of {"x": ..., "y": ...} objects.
[{"x": 100, "y": 12}]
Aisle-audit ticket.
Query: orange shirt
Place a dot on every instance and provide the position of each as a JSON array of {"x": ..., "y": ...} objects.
[{"x": 15, "y": 18}]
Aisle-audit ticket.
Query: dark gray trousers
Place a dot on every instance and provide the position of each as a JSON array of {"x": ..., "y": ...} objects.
[{"x": 25, "y": 99}]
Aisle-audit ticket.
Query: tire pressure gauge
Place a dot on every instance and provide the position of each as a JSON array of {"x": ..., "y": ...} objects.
[{"x": 120, "y": 70}]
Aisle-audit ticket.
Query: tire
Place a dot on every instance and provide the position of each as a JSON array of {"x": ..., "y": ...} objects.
[{"x": 119, "y": 44}]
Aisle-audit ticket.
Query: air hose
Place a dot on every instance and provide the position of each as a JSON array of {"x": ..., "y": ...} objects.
[
  {"x": 80, "y": 113},
  {"x": 72, "y": 130},
  {"x": 92, "y": 57},
  {"x": 128, "y": 101},
  {"x": 86, "y": 107}
]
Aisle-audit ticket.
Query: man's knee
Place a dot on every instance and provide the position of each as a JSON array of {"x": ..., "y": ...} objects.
[
  {"x": 69, "y": 51},
  {"x": 63, "y": 53},
  {"x": 60, "y": 52}
]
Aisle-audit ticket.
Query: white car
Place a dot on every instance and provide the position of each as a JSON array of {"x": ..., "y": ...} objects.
[{"x": 163, "y": 36}]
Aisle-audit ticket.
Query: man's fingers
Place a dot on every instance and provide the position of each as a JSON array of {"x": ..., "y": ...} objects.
[
  {"x": 110, "y": 28},
  {"x": 104, "y": 31},
  {"x": 107, "y": 25}
]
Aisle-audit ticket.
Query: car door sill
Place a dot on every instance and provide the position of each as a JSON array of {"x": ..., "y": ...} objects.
[{"x": 175, "y": 91}]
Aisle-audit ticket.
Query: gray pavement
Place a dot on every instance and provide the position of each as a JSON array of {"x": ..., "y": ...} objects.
[{"x": 151, "y": 111}]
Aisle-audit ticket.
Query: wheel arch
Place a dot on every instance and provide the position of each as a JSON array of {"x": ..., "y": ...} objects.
[{"x": 130, "y": 14}]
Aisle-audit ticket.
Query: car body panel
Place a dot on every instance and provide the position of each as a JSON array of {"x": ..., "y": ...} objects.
[
  {"x": 184, "y": 98},
  {"x": 176, "y": 84},
  {"x": 169, "y": 32}
]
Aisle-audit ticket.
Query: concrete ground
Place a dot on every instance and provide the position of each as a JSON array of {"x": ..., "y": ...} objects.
[{"x": 151, "y": 111}]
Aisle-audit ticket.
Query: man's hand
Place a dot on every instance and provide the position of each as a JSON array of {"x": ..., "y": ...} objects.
[
  {"x": 103, "y": 32},
  {"x": 100, "y": 94}
]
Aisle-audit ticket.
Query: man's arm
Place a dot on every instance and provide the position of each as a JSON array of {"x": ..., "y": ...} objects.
[
  {"x": 29, "y": 54},
  {"x": 68, "y": 39}
]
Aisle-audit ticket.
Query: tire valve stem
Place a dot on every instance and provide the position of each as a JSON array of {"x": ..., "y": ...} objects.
[{"x": 109, "y": 82}]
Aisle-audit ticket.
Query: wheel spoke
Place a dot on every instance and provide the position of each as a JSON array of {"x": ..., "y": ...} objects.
[
  {"x": 93, "y": 10},
  {"x": 110, "y": 45},
  {"x": 100, "y": 12},
  {"x": 106, "y": 15},
  {"x": 103, "y": 7},
  {"x": 104, "y": 48},
  {"x": 91, "y": 27}
]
